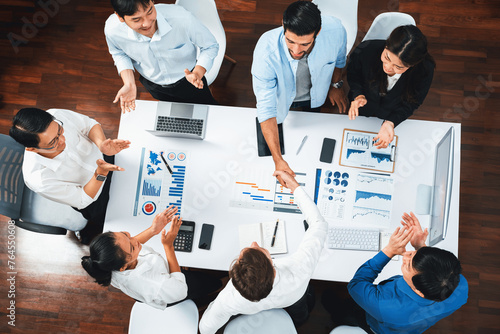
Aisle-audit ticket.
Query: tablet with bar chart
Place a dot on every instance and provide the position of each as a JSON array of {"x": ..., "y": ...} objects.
[{"x": 157, "y": 188}]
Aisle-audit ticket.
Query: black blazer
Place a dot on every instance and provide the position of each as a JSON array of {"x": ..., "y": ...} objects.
[{"x": 390, "y": 107}]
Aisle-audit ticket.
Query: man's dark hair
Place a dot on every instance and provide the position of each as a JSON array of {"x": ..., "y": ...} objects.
[
  {"x": 27, "y": 124},
  {"x": 302, "y": 18},
  {"x": 252, "y": 275},
  {"x": 128, "y": 7},
  {"x": 438, "y": 272}
]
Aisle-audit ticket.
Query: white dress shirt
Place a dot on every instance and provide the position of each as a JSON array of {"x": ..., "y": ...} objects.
[
  {"x": 292, "y": 274},
  {"x": 151, "y": 281},
  {"x": 391, "y": 81},
  {"x": 173, "y": 47},
  {"x": 63, "y": 177}
]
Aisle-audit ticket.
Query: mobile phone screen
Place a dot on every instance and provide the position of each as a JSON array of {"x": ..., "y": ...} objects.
[
  {"x": 207, "y": 231},
  {"x": 327, "y": 150}
]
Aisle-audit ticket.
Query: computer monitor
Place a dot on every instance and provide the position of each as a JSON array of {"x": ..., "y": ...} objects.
[{"x": 441, "y": 190}]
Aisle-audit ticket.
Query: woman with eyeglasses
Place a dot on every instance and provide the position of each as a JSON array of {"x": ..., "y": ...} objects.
[{"x": 390, "y": 79}]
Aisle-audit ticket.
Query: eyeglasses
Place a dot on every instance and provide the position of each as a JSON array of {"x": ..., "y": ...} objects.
[{"x": 55, "y": 141}]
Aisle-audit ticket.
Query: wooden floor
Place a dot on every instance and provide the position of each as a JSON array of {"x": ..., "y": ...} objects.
[{"x": 64, "y": 63}]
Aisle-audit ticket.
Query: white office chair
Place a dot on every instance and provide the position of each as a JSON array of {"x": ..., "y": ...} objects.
[
  {"x": 385, "y": 23},
  {"x": 29, "y": 210},
  {"x": 206, "y": 12},
  {"x": 347, "y": 330},
  {"x": 176, "y": 319},
  {"x": 347, "y": 12},
  {"x": 275, "y": 321}
]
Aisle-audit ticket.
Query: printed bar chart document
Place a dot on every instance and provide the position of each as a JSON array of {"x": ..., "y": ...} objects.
[{"x": 157, "y": 189}]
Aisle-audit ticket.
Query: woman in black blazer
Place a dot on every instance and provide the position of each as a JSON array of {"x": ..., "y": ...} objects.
[{"x": 390, "y": 79}]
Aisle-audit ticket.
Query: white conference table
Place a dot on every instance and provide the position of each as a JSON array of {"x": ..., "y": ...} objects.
[{"x": 230, "y": 146}]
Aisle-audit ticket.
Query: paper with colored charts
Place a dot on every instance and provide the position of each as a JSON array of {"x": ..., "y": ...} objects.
[
  {"x": 373, "y": 200},
  {"x": 358, "y": 151},
  {"x": 331, "y": 192},
  {"x": 157, "y": 189},
  {"x": 257, "y": 188}
]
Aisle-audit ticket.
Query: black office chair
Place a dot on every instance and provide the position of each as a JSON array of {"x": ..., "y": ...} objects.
[{"x": 29, "y": 210}]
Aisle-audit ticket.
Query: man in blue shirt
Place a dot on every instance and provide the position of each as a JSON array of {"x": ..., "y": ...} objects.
[
  {"x": 161, "y": 43},
  {"x": 297, "y": 66},
  {"x": 431, "y": 287}
]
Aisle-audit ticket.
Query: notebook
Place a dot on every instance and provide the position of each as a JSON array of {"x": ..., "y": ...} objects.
[{"x": 262, "y": 233}]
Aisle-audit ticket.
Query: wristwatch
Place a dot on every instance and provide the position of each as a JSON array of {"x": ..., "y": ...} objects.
[
  {"x": 100, "y": 177},
  {"x": 338, "y": 84}
]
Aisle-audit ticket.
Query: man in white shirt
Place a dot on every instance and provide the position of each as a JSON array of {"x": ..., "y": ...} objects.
[
  {"x": 161, "y": 42},
  {"x": 260, "y": 283},
  {"x": 64, "y": 162}
]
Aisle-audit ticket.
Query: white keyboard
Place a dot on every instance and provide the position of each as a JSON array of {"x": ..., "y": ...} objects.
[{"x": 353, "y": 239}]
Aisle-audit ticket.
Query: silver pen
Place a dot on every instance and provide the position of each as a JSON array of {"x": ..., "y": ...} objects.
[{"x": 301, "y": 144}]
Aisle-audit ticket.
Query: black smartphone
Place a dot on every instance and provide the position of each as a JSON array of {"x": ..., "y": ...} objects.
[
  {"x": 207, "y": 231},
  {"x": 327, "y": 150}
]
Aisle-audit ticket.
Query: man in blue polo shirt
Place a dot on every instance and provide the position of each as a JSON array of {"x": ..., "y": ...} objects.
[
  {"x": 297, "y": 66},
  {"x": 430, "y": 289}
]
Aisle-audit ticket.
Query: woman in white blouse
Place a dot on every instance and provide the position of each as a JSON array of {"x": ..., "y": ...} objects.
[{"x": 123, "y": 261}]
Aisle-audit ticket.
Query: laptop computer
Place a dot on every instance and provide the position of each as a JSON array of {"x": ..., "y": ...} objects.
[{"x": 182, "y": 120}]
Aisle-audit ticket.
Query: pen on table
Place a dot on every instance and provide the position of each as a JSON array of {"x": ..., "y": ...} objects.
[
  {"x": 274, "y": 234},
  {"x": 165, "y": 161},
  {"x": 301, "y": 144}
]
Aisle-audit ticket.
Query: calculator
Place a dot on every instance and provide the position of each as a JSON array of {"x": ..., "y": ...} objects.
[{"x": 184, "y": 240}]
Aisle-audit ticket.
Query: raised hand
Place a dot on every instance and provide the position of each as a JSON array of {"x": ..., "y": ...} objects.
[
  {"x": 113, "y": 146},
  {"x": 410, "y": 222},
  {"x": 167, "y": 239},
  {"x": 162, "y": 219},
  {"x": 104, "y": 167},
  {"x": 126, "y": 95},
  {"x": 398, "y": 241}
]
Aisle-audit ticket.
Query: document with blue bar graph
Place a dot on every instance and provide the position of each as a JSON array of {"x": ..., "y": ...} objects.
[
  {"x": 157, "y": 189},
  {"x": 358, "y": 151}
]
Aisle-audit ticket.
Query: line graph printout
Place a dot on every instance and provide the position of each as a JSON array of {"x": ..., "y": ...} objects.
[
  {"x": 358, "y": 151},
  {"x": 284, "y": 201},
  {"x": 156, "y": 187},
  {"x": 373, "y": 200},
  {"x": 253, "y": 188}
]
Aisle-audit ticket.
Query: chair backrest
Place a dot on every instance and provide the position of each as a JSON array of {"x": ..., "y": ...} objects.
[
  {"x": 347, "y": 330},
  {"x": 385, "y": 23},
  {"x": 179, "y": 318},
  {"x": 18, "y": 202},
  {"x": 275, "y": 321},
  {"x": 11, "y": 177},
  {"x": 44, "y": 212},
  {"x": 206, "y": 12},
  {"x": 347, "y": 12}
]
